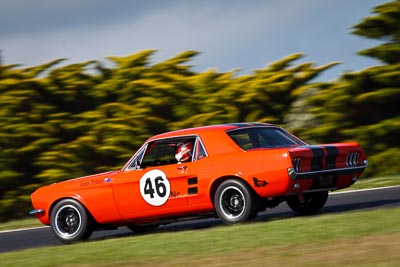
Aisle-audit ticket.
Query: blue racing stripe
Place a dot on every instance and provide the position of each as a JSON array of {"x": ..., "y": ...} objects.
[
  {"x": 332, "y": 153},
  {"x": 317, "y": 159}
]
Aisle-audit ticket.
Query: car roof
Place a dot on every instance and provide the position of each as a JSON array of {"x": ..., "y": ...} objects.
[
  {"x": 210, "y": 128},
  {"x": 213, "y": 137}
]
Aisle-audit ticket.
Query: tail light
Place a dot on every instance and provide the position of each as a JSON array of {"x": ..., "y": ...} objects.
[
  {"x": 296, "y": 164},
  {"x": 352, "y": 159}
]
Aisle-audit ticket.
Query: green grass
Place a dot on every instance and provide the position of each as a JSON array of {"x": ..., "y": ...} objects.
[
  {"x": 23, "y": 223},
  {"x": 376, "y": 182},
  {"x": 363, "y": 238}
]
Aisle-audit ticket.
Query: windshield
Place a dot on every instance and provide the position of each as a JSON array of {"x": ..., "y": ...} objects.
[{"x": 263, "y": 137}]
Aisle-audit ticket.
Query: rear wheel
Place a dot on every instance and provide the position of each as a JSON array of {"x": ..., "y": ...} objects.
[
  {"x": 235, "y": 202},
  {"x": 70, "y": 222},
  {"x": 308, "y": 203}
]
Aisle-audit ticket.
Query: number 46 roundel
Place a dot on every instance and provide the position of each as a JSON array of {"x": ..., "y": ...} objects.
[{"x": 155, "y": 187}]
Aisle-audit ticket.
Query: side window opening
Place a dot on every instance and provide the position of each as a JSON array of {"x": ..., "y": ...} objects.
[
  {"x": 168, "y": 151},
  {"x": 200, "y": 151},
  {"x": 162, "y": 152}
]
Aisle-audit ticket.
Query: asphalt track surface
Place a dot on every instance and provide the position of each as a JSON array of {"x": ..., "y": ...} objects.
[{"x": 337, "y": 203}]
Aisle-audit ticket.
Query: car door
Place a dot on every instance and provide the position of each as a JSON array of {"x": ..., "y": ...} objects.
[
  {"x": 154, "y": 185},
  {"x": 199, "y": 172}
]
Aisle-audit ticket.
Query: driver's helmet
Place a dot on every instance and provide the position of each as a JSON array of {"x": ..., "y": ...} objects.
[{"x": 183, "y": 151}]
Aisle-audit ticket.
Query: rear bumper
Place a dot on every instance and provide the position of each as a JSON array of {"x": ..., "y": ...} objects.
[{"x": 356, "y": 170}]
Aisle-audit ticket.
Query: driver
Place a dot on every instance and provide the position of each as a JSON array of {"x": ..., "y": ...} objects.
[{"x": 183, "y": 152}]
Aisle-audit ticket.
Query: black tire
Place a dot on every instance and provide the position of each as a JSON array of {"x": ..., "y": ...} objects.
[
  {"x": 312, "y": 203},
  {"x": 70, "y": 222},
  {"x": 235, "y": 202}
]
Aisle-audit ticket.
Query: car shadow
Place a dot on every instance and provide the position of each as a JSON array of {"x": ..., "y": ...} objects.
[
  {"x": 362, "y": 205},
  {"x": 279, "y": 213}
]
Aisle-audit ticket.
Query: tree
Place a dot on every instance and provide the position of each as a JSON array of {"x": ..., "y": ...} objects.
[
  {"x": 363, "y": 105},
  {"x": 61, "y": 122}
]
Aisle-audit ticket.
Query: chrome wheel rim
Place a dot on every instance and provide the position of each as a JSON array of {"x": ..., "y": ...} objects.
[
  {"x": 68, "y": 221},
  {"x": 232, "y": 202}
]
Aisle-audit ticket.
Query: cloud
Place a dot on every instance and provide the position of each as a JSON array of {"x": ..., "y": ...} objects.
[
  {"x": 54, "y": 29},
  {"x": 230, "y": 34},
  {"x": 21, "y": 17}
]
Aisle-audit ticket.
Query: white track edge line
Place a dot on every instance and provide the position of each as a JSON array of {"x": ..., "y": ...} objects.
[
  {"x": 333, "y": 193},
  {"x": 363, "y": 190},
  {"x": 23, "y": 229}
]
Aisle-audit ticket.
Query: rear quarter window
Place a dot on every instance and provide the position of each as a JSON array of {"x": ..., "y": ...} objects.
[{"x": 263, "y": 137}]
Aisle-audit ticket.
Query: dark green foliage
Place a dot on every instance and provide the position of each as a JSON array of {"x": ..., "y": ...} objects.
[{"x": 62, "y": 122}]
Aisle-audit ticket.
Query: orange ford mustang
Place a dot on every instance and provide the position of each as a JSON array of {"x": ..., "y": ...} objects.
[{"x": 229, "y": 170}]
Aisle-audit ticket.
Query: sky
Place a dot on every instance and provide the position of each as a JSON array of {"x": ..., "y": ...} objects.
[{"x": 229, "y": 34}]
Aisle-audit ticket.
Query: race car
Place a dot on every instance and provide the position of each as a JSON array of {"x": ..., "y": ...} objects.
[{"x": 232, "y": 171}]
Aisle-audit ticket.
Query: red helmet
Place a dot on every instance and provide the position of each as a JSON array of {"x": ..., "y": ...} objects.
[{"x": 183, "y": 151}]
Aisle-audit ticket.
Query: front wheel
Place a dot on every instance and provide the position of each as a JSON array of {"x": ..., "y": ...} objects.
[
  {"x": 235, "y": 202},
  {"x": 70, "y": 222},
  {"x": 308, "y": 203}
]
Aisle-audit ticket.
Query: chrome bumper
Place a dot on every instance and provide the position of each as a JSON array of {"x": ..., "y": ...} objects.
[
  {"x": 34, "y": 212},
  {"x": 315, "y": 174}
]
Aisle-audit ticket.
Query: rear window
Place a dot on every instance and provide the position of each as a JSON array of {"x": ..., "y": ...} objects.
[{"x": 263, "y": 137}]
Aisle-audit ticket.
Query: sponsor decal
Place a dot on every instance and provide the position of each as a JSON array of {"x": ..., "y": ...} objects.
[
  {"x": 93, "y": 182},
  {"x": 175, "y": 194},
  {"x": 259, "y": 183}
]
